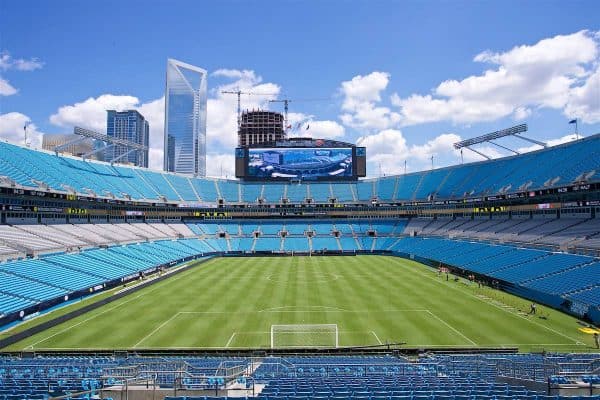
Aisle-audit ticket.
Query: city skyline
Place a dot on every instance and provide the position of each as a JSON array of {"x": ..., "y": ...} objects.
[{"x": 404, "y": 79}]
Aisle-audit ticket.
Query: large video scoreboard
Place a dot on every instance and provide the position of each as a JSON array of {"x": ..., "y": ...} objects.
[{"x": 301, "y": 159}]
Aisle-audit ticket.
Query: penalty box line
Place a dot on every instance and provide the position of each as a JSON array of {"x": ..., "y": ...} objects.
[{"x": 235, "y": 333}]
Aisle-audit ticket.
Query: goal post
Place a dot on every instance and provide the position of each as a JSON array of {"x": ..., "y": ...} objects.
[{"x": 304, "y": 335}]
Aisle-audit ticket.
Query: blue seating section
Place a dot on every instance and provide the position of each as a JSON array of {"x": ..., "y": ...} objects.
[
  {"x": 267, "y": 244},
  {"x": 569, "y": 275},
  {"x": 25, "y": 283},
  {"x": 532, "y": 170},
  {"x": 324, "y": 243},
  {"x": 296, "y": 244},
  {"x": 438, "y": 376}
]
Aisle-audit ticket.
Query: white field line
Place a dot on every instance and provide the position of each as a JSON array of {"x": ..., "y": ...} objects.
[
  {"x": 452, "y": 328},
  {"x": 230, "y": 339},
  {"x": 156, "y": 329},
  {"x": 103, "y": 312},
  {"x": 376, "y": 337},
  {"x": 305, "y": 311},
  {"x": 310, "y": 307},
  {"x": 577, "y": 342}
]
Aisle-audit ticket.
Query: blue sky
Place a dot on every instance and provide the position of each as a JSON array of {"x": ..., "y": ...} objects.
[{"x": 406, "y": 79}]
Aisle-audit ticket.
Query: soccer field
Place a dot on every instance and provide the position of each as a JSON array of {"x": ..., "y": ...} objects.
[{"x": 372, "y": 300}]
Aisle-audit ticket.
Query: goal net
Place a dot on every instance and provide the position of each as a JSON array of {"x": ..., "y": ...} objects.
[{"x": 303, "y": 335}]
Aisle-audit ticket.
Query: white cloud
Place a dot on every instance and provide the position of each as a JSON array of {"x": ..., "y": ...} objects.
[
  {"x": 6, "y": 89},
  {"x": 438, "y": 147},
  {"x": 584, "y": 101},
  {"x": 361, "y": 95},
  {"x": 549, "y": 142},
  {"x": 521, "y": 113},
  {"x": 387, "y": 148},
  {"x": 245, "y": 74},
  {"x": 387, "y": 151},
  {"x": 11, "y": 129},
  {"x": 546, "y": 74},
  {"x": 325, "y": 129},
  {"x": 154, "y": 112},
  {"x": 19, "y": 64},
  {"x": 362, "y": 89},
  {"x": 91, "y": 113},
  {"x": 8, "y": 63},
  {"x": 220, "y": 165}
]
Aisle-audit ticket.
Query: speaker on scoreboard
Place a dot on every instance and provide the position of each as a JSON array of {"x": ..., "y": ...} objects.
[{"x": 240, "y": 162}]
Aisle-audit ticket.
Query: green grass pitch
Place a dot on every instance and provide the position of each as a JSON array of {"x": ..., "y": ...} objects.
[{"x": 232, "y": 303}]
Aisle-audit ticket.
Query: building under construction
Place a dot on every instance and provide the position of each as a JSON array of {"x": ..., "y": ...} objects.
[{"x": 259, "y": 127}]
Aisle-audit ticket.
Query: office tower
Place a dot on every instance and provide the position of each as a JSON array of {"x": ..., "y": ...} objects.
[
  {"x": 127, "y": 125},
  {"x": 185, "y": 119}
]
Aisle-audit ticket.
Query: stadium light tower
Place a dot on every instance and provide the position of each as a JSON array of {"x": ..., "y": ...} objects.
[{"x": 515, "y": 131}]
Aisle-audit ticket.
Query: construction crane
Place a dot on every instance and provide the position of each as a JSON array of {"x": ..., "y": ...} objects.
[
  {"x": 286, "y": 103},
  {"x": 239, "y": 94}
]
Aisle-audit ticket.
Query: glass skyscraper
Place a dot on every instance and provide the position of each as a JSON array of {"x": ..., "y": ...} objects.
[
  {"x": 127, "y": 125},
  {"x": 185, "y": 119}
]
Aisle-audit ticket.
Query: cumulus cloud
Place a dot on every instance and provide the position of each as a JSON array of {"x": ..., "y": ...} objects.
[
  {"x": 553, "y": 73},
  {"x": 220, "y": 165},
  {"x": 19, "y": 64},
  {"x": 549, "y": 142},
  {"x": 8, "y": 63},
  {"x": 6, "y": 89},
  {"x": 154, "y": 112},
  {"x": 388, "y": 149},
  {"x": 91, "y": 113},
  {"x": 360, "y": 107},
  {"x": 584, "y": 101},
  {"x": 325, "y": 129},
  {"x": 11, "y": 129},
  {"x": 304, "y": 125}
]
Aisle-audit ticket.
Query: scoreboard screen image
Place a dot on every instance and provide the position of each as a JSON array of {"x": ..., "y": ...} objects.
[
  {"x": 304, "y": 159},
  {"x": 299, "y": 163}
]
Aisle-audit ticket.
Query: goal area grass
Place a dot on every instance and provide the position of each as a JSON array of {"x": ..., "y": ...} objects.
[{"x": 234, "y": 303}]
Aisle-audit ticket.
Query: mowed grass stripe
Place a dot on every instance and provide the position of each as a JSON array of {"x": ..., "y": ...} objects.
[{"x": 397, "y": 299}]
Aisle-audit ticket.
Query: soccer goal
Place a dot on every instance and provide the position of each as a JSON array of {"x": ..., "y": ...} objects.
[{"x": 304, "y": 335}]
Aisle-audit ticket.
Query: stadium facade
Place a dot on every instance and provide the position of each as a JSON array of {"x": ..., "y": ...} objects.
[
  {"x": 527, "y": 224},
  {"x": 185, "y": 119}
]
